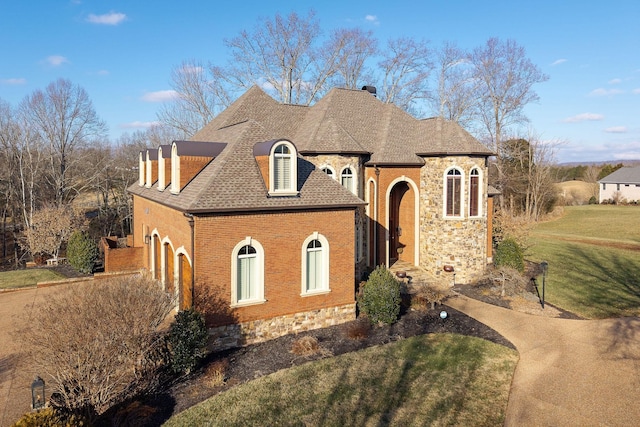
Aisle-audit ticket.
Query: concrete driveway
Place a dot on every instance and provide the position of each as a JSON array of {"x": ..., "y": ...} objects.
[{"x": 570, "y": 372}]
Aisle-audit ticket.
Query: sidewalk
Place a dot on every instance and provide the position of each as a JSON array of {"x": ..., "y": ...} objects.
[{"x": 571, "y": 372}]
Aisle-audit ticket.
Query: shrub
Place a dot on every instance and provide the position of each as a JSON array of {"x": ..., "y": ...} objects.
[
  {"x": 593, "y": 200},
  {"x": 379, "y": 297},
  {"x": 509, "y": 254},
  {"x": 358, "y": 330},
  {"x": 187, "y": 340},
  {"x": 49, "y": 417},
  {"x": 305, "y": 346},
  {"x": 112, "y": 327},
  {"x": 216, "y": 372},
  {"x": 82, "y": 252},
  {"x": 427, "y": 297}
]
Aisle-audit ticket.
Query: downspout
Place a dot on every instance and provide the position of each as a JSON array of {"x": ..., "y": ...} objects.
[
  {"x": 193, "y": 258},
  {"x": 375, "y": 215}
]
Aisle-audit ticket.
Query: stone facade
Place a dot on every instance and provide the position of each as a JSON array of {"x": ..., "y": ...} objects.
[
  {"x": 457, "y": 242},
  {"x": 239, "y": 334}
]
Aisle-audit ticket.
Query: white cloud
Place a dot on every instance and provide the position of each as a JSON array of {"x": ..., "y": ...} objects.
[
  {"x": 111, "y": 18},
  {"x": 584, "y": 117},
  {"x": 103, "y": 73},
  {"x": 160, "y": 96},
  {"x": 14, "y": 81},
  {"x": 615, "y": 81},
  {"x": 190, "y": 69},
  {"x": 616, "y": 129},
  {"x": 605, "y": 92},
  {"x": 56, "y": 60},
  {"x": 372, "y": 18},
  {"x": 636, "y": 91},
  {"x": 138, "y": 125},
  {"x": 558, "y": 62}
]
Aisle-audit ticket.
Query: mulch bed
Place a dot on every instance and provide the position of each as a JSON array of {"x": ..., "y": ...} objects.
[{"x": 251, "y": 362}]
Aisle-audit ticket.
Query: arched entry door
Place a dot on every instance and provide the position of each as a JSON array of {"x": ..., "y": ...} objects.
[
  {"x": 402, "y": 223},
  {"x": 185, "y": 277},
  {"x": 168, "y": 269}
]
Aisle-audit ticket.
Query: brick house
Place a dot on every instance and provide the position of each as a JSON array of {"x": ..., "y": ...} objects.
[{"x": 273, "y": 212}]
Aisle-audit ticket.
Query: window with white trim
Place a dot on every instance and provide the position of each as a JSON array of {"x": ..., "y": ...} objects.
[
  {"x": 315, "y": 264},
  {"x": 453, "y": 192},
  {"x": 247, "y": 271},
  {"x": 283, "y": 169},
  {"x": 346, "y": 179},
  {"x": 329, "y": 171},
  {"x": 175, "y": 169},
  {"x": 474, "y": 192}
]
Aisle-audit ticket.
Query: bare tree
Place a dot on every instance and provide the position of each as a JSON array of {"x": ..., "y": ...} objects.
[
  {"x": 454, "y": 96},
  {"x": 63, "y": 117},
  {"x": 114, "y": 355},
  {"x": 199, "y": 99},
  {"x": 50, "y": 227},
  {"x": 276, "y": 56},
  {"x": 405, "y": 67},
  {"x": 505, "y": 78},
  {"x": 591, "y": 177},
  {"x": 350, "y": 49}
]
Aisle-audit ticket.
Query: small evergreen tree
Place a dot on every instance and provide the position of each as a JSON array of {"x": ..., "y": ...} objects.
[
  {"x": 509, "y": 254},
  {"x": 187, "y": 340},
  {"x": 379, "y": 297},
  {"x": 82, "y": 252}
]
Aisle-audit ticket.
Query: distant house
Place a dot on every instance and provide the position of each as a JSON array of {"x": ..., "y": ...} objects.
[
  {"x": 621, "y": 185},
  {"x": 274, "y": 212}
]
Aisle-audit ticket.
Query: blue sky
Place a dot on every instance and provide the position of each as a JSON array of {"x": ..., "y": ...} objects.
[{"x": 122, "y": 53}]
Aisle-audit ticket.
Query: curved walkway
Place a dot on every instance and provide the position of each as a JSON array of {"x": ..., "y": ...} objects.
[{"x": 570, "y": 372}]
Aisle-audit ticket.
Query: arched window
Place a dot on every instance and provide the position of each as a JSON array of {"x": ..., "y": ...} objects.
[
  {"x": 283, "y": 169},
  {"x": 315, "y": 265},
  {"x": 453, "y": 192},
  {"x": 346, "y": 179},
  {"x": 247, "y": 264},
  {"x": 474, "y": 192},
  {"x": 329, "y": 171}
]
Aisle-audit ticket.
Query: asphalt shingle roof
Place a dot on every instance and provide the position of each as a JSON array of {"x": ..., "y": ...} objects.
[
  {"x": 343, "y": 122},
  {"x": 624, "y": 175}
]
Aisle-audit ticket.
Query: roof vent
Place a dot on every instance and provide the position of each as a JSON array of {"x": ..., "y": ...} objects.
[{"x": 370, "y": 89}]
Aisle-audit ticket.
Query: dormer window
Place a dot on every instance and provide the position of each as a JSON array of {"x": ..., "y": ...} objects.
[
  {"x": 283, "y": 170},
  {"x": 346, "y": 178}
]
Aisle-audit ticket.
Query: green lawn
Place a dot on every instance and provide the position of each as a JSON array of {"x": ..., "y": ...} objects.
[
  {"x": 594, "y": 260},
  {"x": 28, "y": 277},
  {"x": 436, "y": 379}
]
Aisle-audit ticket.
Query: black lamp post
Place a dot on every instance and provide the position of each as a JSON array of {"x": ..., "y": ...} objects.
[
  {"x": 545, "y": 266},
  {"x": 37, "y": 394}
]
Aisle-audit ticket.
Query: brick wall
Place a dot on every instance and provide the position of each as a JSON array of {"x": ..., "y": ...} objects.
[{"x": 281, "y": 236}]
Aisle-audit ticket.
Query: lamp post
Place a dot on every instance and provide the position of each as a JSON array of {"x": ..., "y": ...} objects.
[
  {"x": 37, "y": 394},
  {"x": 545, "y": 266}
]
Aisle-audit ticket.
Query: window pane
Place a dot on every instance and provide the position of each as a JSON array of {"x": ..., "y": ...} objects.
[
  {"x": 473, "y": 196},
  {"x": 314, "y": 269},
  {"x": 282, "y": 173},
  {"x": 453, "y": 193},
  {"x": 246, "y": 276}
]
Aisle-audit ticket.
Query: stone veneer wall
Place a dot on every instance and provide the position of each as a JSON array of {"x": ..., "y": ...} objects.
[
  {"x": 237, "y": 335},
  {"x": 459, "y": 242}
]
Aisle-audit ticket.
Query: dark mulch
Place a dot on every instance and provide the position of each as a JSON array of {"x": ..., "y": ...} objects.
[{"x": 248, "y": 363}]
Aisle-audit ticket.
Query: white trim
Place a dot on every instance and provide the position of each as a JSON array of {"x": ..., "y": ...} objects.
[
  {"x": 141, "y": 170},
  {"x": 325, "y": 266},
  {"x": 161, "y": 171},
  {"x": 416, "y": 237},
  {"x": 293, "y": 170},
  {"x": 248, "y": 241},
  {"x": 176, "y": 269},
  {"x": 463, "y": 178},
  {"x": 148, "y": 169},
  {"x": 153, "y": 252},
  {"x": 175, "y": 169},
  {"x": 163, "y": 263}
]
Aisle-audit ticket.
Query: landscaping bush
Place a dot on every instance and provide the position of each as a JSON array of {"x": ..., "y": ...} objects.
[
  {"x": 379, "y": 298},
  {"x": 82, "y": 252},
  {"x": 593, "y": 200},
  {"x": 49, "y": 417},
  {"x": 509, "y": 254},
  {"x": 99, "y": 343},
  {"x": 187, "y": 340}
]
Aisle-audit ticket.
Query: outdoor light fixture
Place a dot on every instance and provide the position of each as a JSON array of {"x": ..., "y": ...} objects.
[
  {"x": 444, "y": 315},
  {"x": 37, "y": 394},
  {"x": 545, "y": 266},
  {"x": 147, "y": 239}
]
